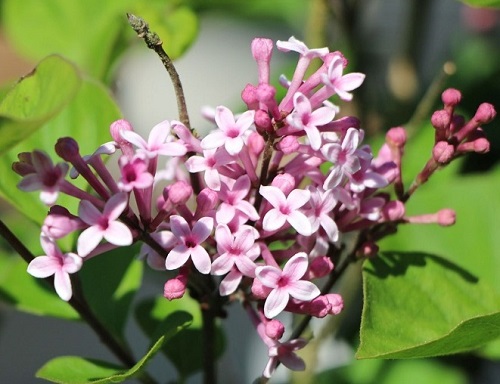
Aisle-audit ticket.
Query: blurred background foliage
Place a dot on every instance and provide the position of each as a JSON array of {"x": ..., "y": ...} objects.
[{"x": 410, "y": 51}]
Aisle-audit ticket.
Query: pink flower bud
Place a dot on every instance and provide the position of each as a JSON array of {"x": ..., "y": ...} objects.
[
  {"x": 318, "y": 307},
  {"x": 275, "y": 329},
  {"x": 263, "y": 121},
  {"x": 446, "y": 217},
  {"x": 443, "y": 152},
  {"x": 320, "y": 266},
  {"x": 485, "y": 113},
  {"x": 206, "y": 200},
  {"x": 175, "y": 288},
  {"x": 255, "y": 144},
  {"x": 336, "y": 302},
  {"x": 393, "y": 210},
  {"x": 396, "y": 137},
  {"x": 440, "y": 119},
  {"x": 249, "y": 96},
  {"x": 262, "y": 49},
  {"x": 285, "y": 182},
  {"x": 259, "y": 290},
  {"x": 289, "y": 144},
  {"x": 179, "y": 192},
  {"x": 367, "y": 250},
  {"x": 481, "y": 145},
  {"x": 60, "y": 222},
  {"x": 451, "y": 97},
  {"x": 115, "y": 129}
]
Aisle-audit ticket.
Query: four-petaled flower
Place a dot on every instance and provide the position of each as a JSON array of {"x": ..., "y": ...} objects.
[
  {"x": 341, "y": 84},
  {"x": 103, "y": 225},
  {"x": 56, "y": 263},
  {"x": 230, "y": 133},
  {"x": 286, "y": 209},
  {"x": 189, "y": 243},
  {"x": 286, "y": 284}
]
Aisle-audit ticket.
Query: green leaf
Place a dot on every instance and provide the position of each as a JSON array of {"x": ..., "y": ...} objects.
[
  {"x": 421, "y": 305},
  {"x": 28, "y": 294},
  {"x": 86, "y": 118},
  {"x": 109, "y": 283},
  {"x": 77, "y": 370},
  {"x": 83, "y": 31},
  {"x": 150, "y": 315},
  {"x": 36, "y": 99},
  {"x": 482, "y": 3}
]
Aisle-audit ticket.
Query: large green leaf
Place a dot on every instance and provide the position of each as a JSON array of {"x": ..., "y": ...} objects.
[
  {"x": 420, "y": 305},
  {"x": 25, "y": 293},
  {"x": 86, "y": 118},
  {"x": 109, "y": 283},
  {"x": 36, "y": 99},
  {"x": 482, "y": 3},
  {"x": 83, "y": 31},
  {"x": 77, "y": 370},
  {"x": 150, "y": 315}
]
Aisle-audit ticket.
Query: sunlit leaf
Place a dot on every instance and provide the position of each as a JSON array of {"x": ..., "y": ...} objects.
[{"x": 452, "y": 311}]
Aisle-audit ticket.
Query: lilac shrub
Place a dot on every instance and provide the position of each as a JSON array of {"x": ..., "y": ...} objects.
[{"x": 262, "y": 204}]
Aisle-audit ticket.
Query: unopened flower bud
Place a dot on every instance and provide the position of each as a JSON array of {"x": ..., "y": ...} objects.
[
  {"x": 175, "y": 288},
  {"x": 275, "y": 329},
  {"x": 443, "y": 152},
  {"x": 367, "y": 250},
  {"x": 67, "y": 149},
  {"x": 336, "y": 302},
  {"x": 262, "y": 49},
  {"x": 440, "y": 120},
  {"x": 481, "y": 145},
  {"x": 485, "y": 113},
  {"x": 318, "y": 307},
  {"x": 179, "y": 192},
  {"x": 285, "y": 182},
  {"x": 24, "y": 166},
  {"x": 259, "y": 290},
  {"x": 320, "y": 266},
  {"x": 206, "y": 201},
  {"x": 249, "y": 96},
  {"x": 289, "y": 144},
  {"x": 393, "y": 210},
  {"x": 451, "y": 97},
  {"x": 263, "y": 121},
  {"x": 396, "y": 137},
  {"x": 60, "y": 222},
  {"x": 446, "y": 217},
  {"x": 255, "y": 144},
  {"x": 115, "y": 129}
]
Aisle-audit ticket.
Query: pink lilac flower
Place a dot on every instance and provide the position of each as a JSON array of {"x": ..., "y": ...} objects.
[
  {"x": 189, "y": 243},
  {"x": 341, "y": 84},
  {"x": 233, "y": 201},
  {"x": 286, "y": 283},
  {"x": 230, "y": 133},
  {"x": 296, "y": 45},
  {"x": 134, "y": 174},
  {"x": 321, "y": 205},
  {"x": 47, "y": 177},
  {"x": 56, "y": 263},
  {"x": 103, "y": 224},
  {"x": 285, "y": 209},
  {"x": 303, "y": 118},
  {"x": 157, "y": 143},
  {"x": 208, "y": 163},
  {"x": 285, "y": 354},
  {"x": 345, "y": 157}
]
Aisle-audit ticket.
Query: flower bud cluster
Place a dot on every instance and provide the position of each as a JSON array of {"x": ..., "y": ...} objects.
[{"x": 262, "y": 203}]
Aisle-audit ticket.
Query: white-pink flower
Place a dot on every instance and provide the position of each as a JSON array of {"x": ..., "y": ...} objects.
[
  {"x": 158, "y": 141},
  {"x": 298, "y": 46},
  {"x": 56, "y": 263},
  {"x": 189, "y": 243},
  {"x": 231, "y": 132},
  {"x": 47, "y": 177},
  {"x": 286, "y": 209},
  {"x": 303, "y": 118},
  {"x": 208, "y": 163},
  {"x": 233, "y": 201},
  {"x": 103, "y": 225},
  {"x": 341, "y": 84},
  {"x": 134, "y": 174},
  {"x": 285, "y": 353},
  {"x": 286, "y": 284},
  {"x": 321, "y": 205}
]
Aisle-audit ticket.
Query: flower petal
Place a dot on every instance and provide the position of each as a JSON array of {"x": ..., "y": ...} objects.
[{"x": 276, "y": 302}]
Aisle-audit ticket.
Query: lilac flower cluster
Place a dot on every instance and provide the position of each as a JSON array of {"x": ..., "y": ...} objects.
[{"x": 262, "y": 203}]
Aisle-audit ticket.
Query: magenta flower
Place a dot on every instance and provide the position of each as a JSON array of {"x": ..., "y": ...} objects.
[
  {"x": 47, "y": 177},
  {"x": 285, "y": 209},
  {"x": 208, "y": 163},
  {"x": 302, "y": 118},
  {"x": 230, "y": 133},
  {"x": 157, "y": 143},
  {"x": 190, "y": 243},
  {"x": 134, "y": 173},
  {"x": 56, "y": 263},
  {"x": 286, "y": 283},
  {"x": 103, "y": 225},
  {"x": 341, "y": 84}
]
